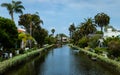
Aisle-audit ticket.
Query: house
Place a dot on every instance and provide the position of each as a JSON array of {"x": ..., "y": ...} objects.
[
  {"x": 21, "y": 30},
  {"x": 110, "y": 33},
  {"x": 64, "y": 39}
]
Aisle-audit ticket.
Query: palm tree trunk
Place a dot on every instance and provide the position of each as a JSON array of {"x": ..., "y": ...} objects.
[
  {"x": 12, "y": 16},
  {"x": 70, "y": 35},
  {"x": 30, "y": 33},
  {"x": 101, "y": 29}
]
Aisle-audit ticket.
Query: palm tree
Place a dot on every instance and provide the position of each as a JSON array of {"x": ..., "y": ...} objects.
[
  {"x": 61, "y": 35},
  {"x": 15, "y": 6},
  {"x": 102, "y": 19},
  {"x": 24, "y": 37},
  {"x": 87, "y": 27},
  {"x": 72, "y": 29},
  {"x": 32, "y": 24},
  {"x": 53, "y": 31}
]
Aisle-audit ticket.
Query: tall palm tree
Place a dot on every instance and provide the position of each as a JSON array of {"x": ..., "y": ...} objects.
[
  {"x": 87, "y": 27},
  {"x": 53, "y": 31},
  {"x": 15, "y": 6},
  {"x": 32, "y": 24},
  {"x": 102, "y": 19},
  {"x": 72, "y": 29}
]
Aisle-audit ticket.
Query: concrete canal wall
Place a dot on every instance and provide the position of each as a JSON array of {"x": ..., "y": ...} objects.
[
  {"x": 21, "y": 59},
  {"x": 112, "y": 64}
]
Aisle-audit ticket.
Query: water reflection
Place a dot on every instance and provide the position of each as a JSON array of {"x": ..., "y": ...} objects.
[{"x": 62, "y": 61}]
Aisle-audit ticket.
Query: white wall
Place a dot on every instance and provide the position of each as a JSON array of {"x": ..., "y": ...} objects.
[{"x": 110, "y": 33}]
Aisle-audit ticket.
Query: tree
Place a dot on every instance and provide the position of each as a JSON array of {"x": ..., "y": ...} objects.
[
  {"x": 8, "y": 33},
  {"x": 30, "y": 22},
  {"x": 40, "y": 34},
  {"x": 24, "y": 37},
  {"x": 15, "y": 6},
  {"x": 102, "y": 19},
  {"x": 87, "y": 27},
  {"x": 53, "y": 31},
  {"x": 76, "y": 36},
  {"x": 61, "y": 35},
  {"x": 72, "y": 29}
]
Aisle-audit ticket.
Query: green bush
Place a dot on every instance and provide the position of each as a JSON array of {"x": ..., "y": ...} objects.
[
  {"x": 113, "y": 44},
  {"x": 99, "y": 32},
  {"x": 50, "y": 40},
  {"x": 83, "y": 42},
  {"x": 107, "y": 40},
  {"x": 114, "y": 48},
  {"x": 100, "y": 50},
  {"x": 93, "y": 41},
  {"x": 1, "y": 59}
]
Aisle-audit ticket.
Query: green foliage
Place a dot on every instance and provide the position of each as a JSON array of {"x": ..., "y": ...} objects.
[
  {"x": 100, "y": 50},
  {"x": 115, "y": 65},
  {"x": 53, "y": 31},
  {"x": 15, "y": 6},
  {"x": 114, "y": 48},
  {"x": 33, "y": 21},
  {"x": 24, "y": 37},
  {"x": 5, "y": 65},
  {"x": 72, "y": 29},
  {"x": 30, "y": 19},
  {"x": 83, "y": 42},
  {"x": 87, "y": 27},
  {"x": 93, "y": 41},
  {"x": 107, "y": 40},
  {"x": 8, "y": 33},
  {"x": 50, "y": 40},
  {"x": 99, "y": 32},
  {"x": 102, "y": 19},
  {"x": 76, "y": 36},
  {"x": 40, "y": 34},
  {"x": 113, "y": 44}
]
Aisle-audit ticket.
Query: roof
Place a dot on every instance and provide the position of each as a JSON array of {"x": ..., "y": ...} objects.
[{"x": 21, "y": 30}]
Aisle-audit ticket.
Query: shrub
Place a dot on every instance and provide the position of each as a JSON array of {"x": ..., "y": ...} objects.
[
  {"x": 83, "y": 42},
  {"x": 99, "y": 32},
  {"x": 93, "y": 42},
  {"x": 100, "y": 50},
  {"x": 114, "y": 48},
  {"x": 107, "y": 40}
]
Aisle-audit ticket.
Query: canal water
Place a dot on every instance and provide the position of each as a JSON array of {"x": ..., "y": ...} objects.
[{"x": 61, "y": 61}]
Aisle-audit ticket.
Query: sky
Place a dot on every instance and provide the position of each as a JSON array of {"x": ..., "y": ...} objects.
[{"x": 59, "y": 14}]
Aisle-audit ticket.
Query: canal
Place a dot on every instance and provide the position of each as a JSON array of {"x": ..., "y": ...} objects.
[{"x": 61, "y": 61}]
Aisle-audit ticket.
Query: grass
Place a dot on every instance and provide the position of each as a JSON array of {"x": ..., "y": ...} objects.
[
  {"x": 115, "y": 65},
  {"x": 7, "y": 64}
]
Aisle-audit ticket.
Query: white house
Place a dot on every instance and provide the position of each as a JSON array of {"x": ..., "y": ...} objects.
[
  {"x": 64, "y": 39},
  {"x": 21, "y": 30},
  {"x": 110, "y": 33}
]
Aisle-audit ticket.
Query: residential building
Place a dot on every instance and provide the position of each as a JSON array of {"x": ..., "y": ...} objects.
[{"x": 111, "y": 33}]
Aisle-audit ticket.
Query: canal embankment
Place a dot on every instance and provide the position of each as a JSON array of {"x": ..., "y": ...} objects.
[
  {"x": 21, "y": 59},
  {"x": 107, "y": 62}
]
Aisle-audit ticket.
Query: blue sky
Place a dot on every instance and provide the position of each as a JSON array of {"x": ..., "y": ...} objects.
[{"x": 59, "y": 14}]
